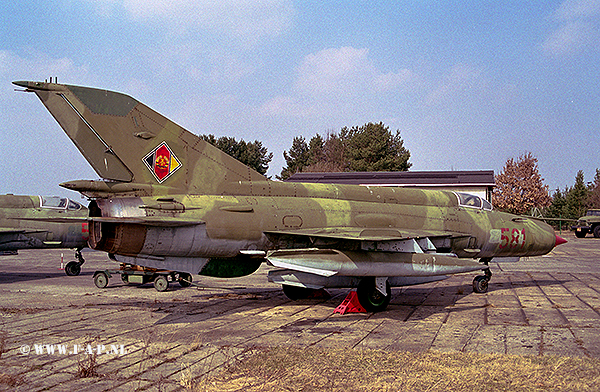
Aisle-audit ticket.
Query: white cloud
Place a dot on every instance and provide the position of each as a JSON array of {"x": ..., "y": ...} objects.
[
  {"x": 577, "y": 9},
  {"x": 333, "y": 71},
  {"x": 336, "y": 80},
  {"x": 39, "y": 66},
  {"x": 579, "y": 22},
  {"x": 40, "y": 154},
  {"x": 246, "y": 21},
  {"x": 393, "y": 80},
  {"x": 571, "y": 37},
  {"x": 460, "y": 79},
  {"x": 345, "y": 71}
]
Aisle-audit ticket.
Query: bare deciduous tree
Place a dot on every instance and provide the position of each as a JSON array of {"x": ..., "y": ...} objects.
[{"x": 520, "y": 187}]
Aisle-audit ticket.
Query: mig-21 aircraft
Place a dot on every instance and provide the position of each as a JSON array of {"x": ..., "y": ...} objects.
[
  {"x": 24, "y": 225},
  {"x": 170, "y": 200}
]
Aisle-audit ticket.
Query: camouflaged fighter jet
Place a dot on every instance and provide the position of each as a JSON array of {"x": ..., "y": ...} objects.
[
  {"x": 170, "y": 200},
  {"x": 23, "y": 225}
]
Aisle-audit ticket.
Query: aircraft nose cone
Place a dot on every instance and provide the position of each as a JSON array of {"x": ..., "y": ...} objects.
[{"x": 560, "y": 240}]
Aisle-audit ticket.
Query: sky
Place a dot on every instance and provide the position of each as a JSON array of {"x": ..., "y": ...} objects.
[{"x": 468, "y": 84}]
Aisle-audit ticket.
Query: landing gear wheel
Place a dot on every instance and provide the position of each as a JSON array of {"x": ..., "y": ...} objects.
[
  {"x": 597, "y": 231},
  {"x": 582, "y": 233},
  {"x": 185, "y": 279},
  {"x": 101, "y": 280},
  {"x": 370, "y": 298},
  {"x": 161, "y": 283},
  {"x": 480, "y": 284},
  {"x": 72, "y": 268}
]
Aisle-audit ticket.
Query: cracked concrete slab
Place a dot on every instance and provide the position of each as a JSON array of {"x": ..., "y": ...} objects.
[{"x": 546, "y": 305}]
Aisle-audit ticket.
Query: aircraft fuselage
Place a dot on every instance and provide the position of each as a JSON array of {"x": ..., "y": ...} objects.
[
  {"x": 24, "y": 223},
  {"x": 349, "y": 216}
]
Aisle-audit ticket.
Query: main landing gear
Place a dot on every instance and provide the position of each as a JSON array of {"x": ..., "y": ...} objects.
[
  {"x": 370, "y": 296},
  {"x": 480, "y": 283},
  {"x": 73, "y": 268},
  {"x": 370, "y": 293}
]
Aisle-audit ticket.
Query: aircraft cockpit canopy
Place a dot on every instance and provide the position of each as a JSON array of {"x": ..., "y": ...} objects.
[
  {"x": 472, "y": 201},
  {"x": 59, "y": 203}
]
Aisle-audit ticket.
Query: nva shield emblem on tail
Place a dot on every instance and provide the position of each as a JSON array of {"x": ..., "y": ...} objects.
[{"x": 162, "y": 162}]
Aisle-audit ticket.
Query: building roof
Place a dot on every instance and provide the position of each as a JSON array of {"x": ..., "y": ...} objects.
[{"x": 406, "y": 178}]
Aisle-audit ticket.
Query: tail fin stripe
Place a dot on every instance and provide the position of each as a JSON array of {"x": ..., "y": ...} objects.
[{"x": 85, "y": 121}]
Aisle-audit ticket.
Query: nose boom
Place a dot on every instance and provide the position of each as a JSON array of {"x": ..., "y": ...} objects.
[{"x": 559, "y": 241}]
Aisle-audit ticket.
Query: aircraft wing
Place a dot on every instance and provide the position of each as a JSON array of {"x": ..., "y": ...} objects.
[
  {"x": 12, "y": 230},
  {"x": 365, "y": 234}
]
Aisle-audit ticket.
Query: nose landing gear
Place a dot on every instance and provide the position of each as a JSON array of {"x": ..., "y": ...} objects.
[{"x": 480, "y": 283}]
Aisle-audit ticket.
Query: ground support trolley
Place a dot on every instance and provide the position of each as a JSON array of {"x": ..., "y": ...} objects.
[{"x": 141, "y": 275}]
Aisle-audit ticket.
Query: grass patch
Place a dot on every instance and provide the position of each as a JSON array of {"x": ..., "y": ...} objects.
[
  {"x": 3, "y": 343},
  {"x": 87, "y": 365},
  {"x": 317, "y": 369}
]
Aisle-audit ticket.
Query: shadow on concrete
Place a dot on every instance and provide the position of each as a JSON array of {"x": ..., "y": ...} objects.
[{"x": 12, "y": 277}]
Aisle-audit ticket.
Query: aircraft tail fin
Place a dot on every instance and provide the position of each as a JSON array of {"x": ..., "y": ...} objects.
[{"x": 126, "y": 141}]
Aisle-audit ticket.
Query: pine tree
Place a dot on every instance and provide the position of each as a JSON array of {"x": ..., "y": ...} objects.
[
  {"x": 557, "y": 209},
  {"x": 373, "y": 147},
  {"x": 577, "y": 198},
  {"x": 296, "y": 159},
  {"x": 594, "y": 193},
  {"x": 252, "y": 154}
]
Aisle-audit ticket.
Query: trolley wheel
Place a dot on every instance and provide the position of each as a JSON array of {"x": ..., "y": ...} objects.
[
  {"x": 161, "y": 283},
  {"x": 185, "y": 279},
  {"x": 100, "y": 280}
]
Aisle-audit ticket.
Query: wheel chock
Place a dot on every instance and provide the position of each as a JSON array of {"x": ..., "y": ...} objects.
[{"x": 350, "y": 305}]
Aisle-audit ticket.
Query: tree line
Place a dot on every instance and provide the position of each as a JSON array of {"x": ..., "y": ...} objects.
[
  {"x": 573, "y": 202},
  {"x": 520, "y": 188},
  {"x": 370, "y": 147}
]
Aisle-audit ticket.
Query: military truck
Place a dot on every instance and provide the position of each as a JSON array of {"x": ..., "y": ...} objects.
[{"x": 590, "y": 223}]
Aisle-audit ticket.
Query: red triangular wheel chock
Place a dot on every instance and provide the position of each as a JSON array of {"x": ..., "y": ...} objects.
[{"x": 350, "y": 305}]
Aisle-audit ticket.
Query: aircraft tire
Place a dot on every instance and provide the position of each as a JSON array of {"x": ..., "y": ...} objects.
[
  {"x": 185, "y": 279},
  {"x": 597, "y": 231},
  {"x": 580, "y": 234},
  {"x": 72, "y": 268},
  {"x": 100, "y": 280},
  {"x": 161, "y": 283},
  {"x": 480, "y": 284},
  {"x": 370, "y": 298}
]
